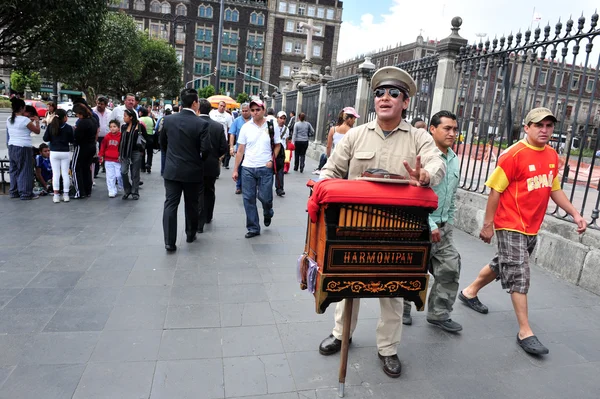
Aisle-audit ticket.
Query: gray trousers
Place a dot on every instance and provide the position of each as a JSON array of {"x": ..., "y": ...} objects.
[
  {"x": 444, "y": 264},
  {"x": 132, "y": 170}
]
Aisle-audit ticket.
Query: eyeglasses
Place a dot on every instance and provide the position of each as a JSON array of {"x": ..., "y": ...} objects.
[
  {"x": 255, "y": 109},
  {"x": 393, "y": 92}
]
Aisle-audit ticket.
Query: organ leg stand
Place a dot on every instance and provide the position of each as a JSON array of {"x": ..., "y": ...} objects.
[{"x": 345, "y": 343}]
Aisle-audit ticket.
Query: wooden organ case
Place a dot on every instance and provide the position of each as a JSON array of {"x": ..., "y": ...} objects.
[{"x": 366, "y": 240}]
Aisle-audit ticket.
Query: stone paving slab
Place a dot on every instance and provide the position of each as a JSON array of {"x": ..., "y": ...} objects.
[{"x": 91, "y": 306}]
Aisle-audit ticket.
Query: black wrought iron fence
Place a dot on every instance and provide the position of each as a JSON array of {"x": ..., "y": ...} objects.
[
  {"x": 278, "y": 98},
  {"x": 501, "y": 80},
  {"x": 4, "y": 166},
  {"x": 291, "y": 98},
  {"x": 341, "y": 93},
  {"x": 423, "y": 71},
  {"x": 310, "y": 103}
]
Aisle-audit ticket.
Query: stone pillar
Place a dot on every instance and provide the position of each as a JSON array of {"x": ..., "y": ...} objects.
[
  {"x": 447, "y": 77},
  {"x": 284, "y": 97},
  {"x": 301, "y": 87},
  {"x": 361, "y": 103},
  {"x": 322, "y": 115}
]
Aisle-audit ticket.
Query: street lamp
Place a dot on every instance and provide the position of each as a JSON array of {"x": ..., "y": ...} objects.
[{"x": 254, "y": 48}]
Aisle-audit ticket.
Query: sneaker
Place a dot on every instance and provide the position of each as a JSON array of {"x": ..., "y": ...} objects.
[
  {"x": 268, "y": 220},
  {"x": 112, "y": 195},
  {"x": 66, "y": 197},
  {"x": 56, "y": 198},
  {"x": 446, "y": 325},
  {"x": 33, "y": 197},
  {"x": 93, "y": 184}
]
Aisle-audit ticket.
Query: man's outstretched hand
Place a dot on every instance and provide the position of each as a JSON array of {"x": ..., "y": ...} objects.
[{"x": 418, "y": 174}]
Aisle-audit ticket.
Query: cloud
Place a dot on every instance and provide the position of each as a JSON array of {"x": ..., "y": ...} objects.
[{"x": 404, "y": 20}]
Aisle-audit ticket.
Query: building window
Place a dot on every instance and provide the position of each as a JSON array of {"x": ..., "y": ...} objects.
[
  {"x": 205, "y": 11},
  {"x": 181, "y": 10},
  {"x": 202, "y": 68},
  {"x": 155, "y": 6},
  {"x": 575, "y": 82},
  {"x": 204, "y": 34},
  {"x": 299, "y": 28},
  {"x": 179, "y": 55},
  {"x": 139, "y": 24},
  {"x": 558, "y": 79},
  {"x": 231, "y": 38},
  {"x": 158, "y": 30},
  {"x": 121, "y": 4},
  {"x": 292, "y": 8},
  {"x": 255, "y": 40},
  {"x": 330, "y": 13},
  {"x": 396, "y": 59},
  {"x": 287, "y": 71},
  {"x": 316, "y": 50},
  {"x": 257, "y": 19},
  {"x": 139, "y": 5},
  {"x": 297, "y": 48},
  {"x": 319, "y": 30},
  {"x": 385, "y": 61},
  {"x": 320, "y": 12},
  {"x": 204, "y": 51},
  {"x": 301, "y": 9},
  {"x": 542, "y": 77},
  {"x": 311, "y": 11},
  {"x": 282, "y": 6},
  {"x": 590, "y": 84},
  {"x": 232, "y": 15},
  {"x": 288, "y": 47},
  {"x": 289, "y": 26},
  {"x": 165, "y": 8}
]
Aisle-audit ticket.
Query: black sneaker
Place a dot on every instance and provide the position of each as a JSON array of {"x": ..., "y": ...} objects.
[
  {"x": 446, "y": 325},
  {"x": 267, "y": 220}
]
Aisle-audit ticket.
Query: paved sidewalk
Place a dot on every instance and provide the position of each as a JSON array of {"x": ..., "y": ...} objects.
[{"x": 91, "y": 306}]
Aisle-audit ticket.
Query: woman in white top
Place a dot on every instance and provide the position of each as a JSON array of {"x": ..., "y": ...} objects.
[
  {"x": 20, "y": 152},
  {"x": 346, "y": 119}
]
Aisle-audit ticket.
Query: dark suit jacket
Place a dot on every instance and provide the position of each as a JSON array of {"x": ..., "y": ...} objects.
[
  {"x": 212, "y": 167},
  {"x": 186, "y": 143}
]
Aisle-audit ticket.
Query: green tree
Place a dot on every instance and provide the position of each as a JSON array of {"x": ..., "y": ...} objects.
[
  {"x": 19, "y": 81},
  {"x": 56, "y": 37},
  {"x": 114, "y": 63},
  {"x": 206, "y": 92},
  {"x": 242, "y": 98}
]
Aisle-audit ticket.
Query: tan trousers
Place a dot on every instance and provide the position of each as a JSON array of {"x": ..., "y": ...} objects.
[{"x": 389, "y": 327}]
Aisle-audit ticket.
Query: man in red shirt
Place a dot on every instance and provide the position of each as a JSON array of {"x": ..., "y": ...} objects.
[{"x": 524, "y": 180}]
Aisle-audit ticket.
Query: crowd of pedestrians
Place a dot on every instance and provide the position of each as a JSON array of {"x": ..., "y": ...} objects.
[{"x": 196, "y": 141}]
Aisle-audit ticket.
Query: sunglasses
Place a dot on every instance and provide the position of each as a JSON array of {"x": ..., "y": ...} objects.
[{"x": 393, "y": 92}]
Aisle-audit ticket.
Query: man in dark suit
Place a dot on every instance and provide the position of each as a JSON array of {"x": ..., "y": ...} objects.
[
  {"x": 211, "y": 164},
  {"x": 186, "y": 141}
]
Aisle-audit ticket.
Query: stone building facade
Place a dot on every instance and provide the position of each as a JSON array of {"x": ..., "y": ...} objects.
[
  {"x": 261, "y": 38},
  {"x": 388, "y": 57}
]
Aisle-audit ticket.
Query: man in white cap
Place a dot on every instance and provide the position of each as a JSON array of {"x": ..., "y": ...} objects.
[
  {"x": 254, "y": 146},
  {"x": 391, "y": 143},
  {"x": 283, "y": 132},
  {"x": 523, "y": 182}
]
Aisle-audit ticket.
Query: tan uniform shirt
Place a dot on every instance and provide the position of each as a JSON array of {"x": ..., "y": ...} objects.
[{"x": 366, "y": 147}]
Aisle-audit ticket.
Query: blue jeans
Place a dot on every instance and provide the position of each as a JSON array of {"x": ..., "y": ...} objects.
[{"x": 258, "y": 182}]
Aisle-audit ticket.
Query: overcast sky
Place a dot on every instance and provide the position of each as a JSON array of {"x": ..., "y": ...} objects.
[{"x": 371, "y": 25}]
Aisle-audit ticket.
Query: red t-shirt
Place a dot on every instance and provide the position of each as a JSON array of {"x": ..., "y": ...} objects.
[{"x": 525, "y": 177}]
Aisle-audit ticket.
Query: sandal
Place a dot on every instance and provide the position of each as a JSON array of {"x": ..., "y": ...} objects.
[
  {"x": 474, "y": 303},
  {"x": 125, "y": 196},
  {"x": 135, "y": 197},
  {"x": 532, "y": 345}
]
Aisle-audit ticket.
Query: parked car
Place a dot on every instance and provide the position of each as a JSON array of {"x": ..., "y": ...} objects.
[
  {"x": 67, "y": 106},
  {"x": 39, "y": 106}
]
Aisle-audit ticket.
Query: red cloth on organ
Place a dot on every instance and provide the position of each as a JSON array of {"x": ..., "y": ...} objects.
[{"x": 341, "y": 191}]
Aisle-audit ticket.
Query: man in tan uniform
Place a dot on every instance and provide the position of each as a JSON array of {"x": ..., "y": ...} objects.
[{"x": 391, "y": 143}]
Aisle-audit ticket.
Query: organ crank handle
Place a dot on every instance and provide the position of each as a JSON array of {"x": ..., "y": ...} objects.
[{"x": 345, "y": 344}]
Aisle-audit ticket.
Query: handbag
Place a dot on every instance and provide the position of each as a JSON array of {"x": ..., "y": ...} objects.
[{"x": 278, "y": 160}]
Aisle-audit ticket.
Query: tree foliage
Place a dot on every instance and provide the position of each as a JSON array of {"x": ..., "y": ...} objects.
[
  {"x": 19, "y": 81},
  {"x": 243, "y": 98},
  {"x": 53, "y": 37},
  {"x": 206, "y": 92}
]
